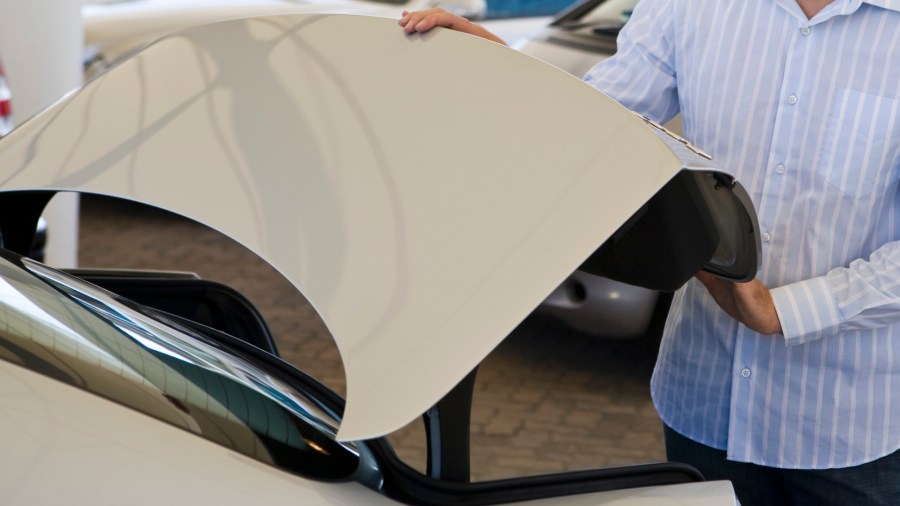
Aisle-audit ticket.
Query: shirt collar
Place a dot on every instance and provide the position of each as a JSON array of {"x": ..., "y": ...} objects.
[
  {"x": 845, "y": 7},
  {"x": 893, "y": 5},
  {"x": 836, "y": 8}
]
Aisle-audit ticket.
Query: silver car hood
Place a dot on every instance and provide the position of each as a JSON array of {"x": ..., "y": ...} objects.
[{"x": 425, "y": 193}]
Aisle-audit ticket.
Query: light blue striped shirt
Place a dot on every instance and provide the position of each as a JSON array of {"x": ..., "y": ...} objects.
[{"x": 806, "y": 113}]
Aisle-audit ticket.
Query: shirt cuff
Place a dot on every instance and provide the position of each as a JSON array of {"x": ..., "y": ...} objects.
[{"x": 807, "y": 311}]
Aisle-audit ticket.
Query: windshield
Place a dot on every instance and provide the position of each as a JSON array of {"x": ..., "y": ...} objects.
[
  {"x": 598, "y": 17},
  {"x": 613, "y": 11}
]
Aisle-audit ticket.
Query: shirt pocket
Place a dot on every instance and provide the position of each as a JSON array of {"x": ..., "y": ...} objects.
[{"x": 862, "y": 143}]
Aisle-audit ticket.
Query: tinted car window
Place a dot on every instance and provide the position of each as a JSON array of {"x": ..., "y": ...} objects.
[
  {"x": 597, "y": 17},
  {"x": 523, "y": 8},
  {"x": 103, "y": 346}
]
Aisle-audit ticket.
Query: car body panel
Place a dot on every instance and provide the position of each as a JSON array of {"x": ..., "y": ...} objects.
[
  {"x": 93, "y": 451},
  {"x": 334, "y": 162},
  {"x": 62, "y": 445},
  {"x": 94, "y": 407},
  {"x": 571, "y": 58},
  {"x": 609, "y": 309},
  {"x": 113, "y": 30},
  {"x": 99, "y": 398}
]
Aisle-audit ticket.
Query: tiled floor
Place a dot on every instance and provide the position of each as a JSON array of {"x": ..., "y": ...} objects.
[{"x": 546, "y": 399}]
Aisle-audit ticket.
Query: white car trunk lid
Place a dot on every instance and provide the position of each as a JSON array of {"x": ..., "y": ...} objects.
[{"x": 425, "y": 193}]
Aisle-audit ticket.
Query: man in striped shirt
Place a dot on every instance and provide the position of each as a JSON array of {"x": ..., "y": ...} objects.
[{"x": 785, "y": 384}]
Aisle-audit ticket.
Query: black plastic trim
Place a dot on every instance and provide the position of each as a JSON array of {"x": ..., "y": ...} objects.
[
  {"x": 699, "y": 221},
  {"x": 19, "y": 215},
  {"x": 207, "y": 302},
  {"x": 407, "y": 485},
  {"x": 447, "y": 426}
]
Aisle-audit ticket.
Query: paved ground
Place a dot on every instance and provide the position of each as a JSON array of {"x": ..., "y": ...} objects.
[{"x": 546, "y": 399}]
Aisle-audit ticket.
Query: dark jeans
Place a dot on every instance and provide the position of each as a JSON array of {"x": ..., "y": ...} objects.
[{"x": 874, "y": 483}]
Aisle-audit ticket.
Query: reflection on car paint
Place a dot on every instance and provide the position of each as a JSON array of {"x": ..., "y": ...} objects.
[{"x": 167, "y": 374}]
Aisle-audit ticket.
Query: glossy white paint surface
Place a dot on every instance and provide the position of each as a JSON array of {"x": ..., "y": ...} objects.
[
  {"x": 573, "y": 60},
  {"x": 62, "y": 445},
  {"x": 710, "y": 493},
  {"x": 330, "y": 145}
]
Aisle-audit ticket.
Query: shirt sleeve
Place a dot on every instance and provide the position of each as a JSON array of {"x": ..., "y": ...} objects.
[
  {"x": 864, "y": 295},
  {"x": 641, "y": 75}
]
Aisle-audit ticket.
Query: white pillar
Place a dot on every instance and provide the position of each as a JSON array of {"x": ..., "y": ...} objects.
[{"x": 41, "y": 48}]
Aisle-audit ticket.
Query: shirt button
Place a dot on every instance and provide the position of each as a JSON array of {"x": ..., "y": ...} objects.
[
  {"x": 779, "y": 168},
  {"x": 745, "y": 373},
  {"x": 766, "y": 237},
  {"x": 792, "y": 99},
  {"x": 805, "y": 30}
]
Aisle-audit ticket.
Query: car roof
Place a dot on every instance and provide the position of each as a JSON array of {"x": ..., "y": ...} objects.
[{"x": 424, "y": 192}]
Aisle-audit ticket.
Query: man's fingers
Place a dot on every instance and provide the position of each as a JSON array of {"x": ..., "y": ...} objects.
[
  {"x": 410, "y": 20},
  {"x": 422, "y": 21},
  {"x": 427, "y": 23}
]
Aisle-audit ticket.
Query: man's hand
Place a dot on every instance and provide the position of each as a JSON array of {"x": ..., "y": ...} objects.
[
  {"x": 422, "y": 21},
  {"x": 749, "y": 303}
]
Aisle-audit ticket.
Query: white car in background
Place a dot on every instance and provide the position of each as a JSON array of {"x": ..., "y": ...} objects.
[
  {"x": 312, "y": 150},
  {"x": 116, "y": 28},
  {"x": 581, "y": 36}
]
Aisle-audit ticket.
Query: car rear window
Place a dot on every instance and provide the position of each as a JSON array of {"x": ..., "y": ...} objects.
[{"x": 103, "y": 346}]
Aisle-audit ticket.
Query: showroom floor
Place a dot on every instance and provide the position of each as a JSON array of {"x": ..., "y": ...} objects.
[{"x": 546, "y": 399}]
